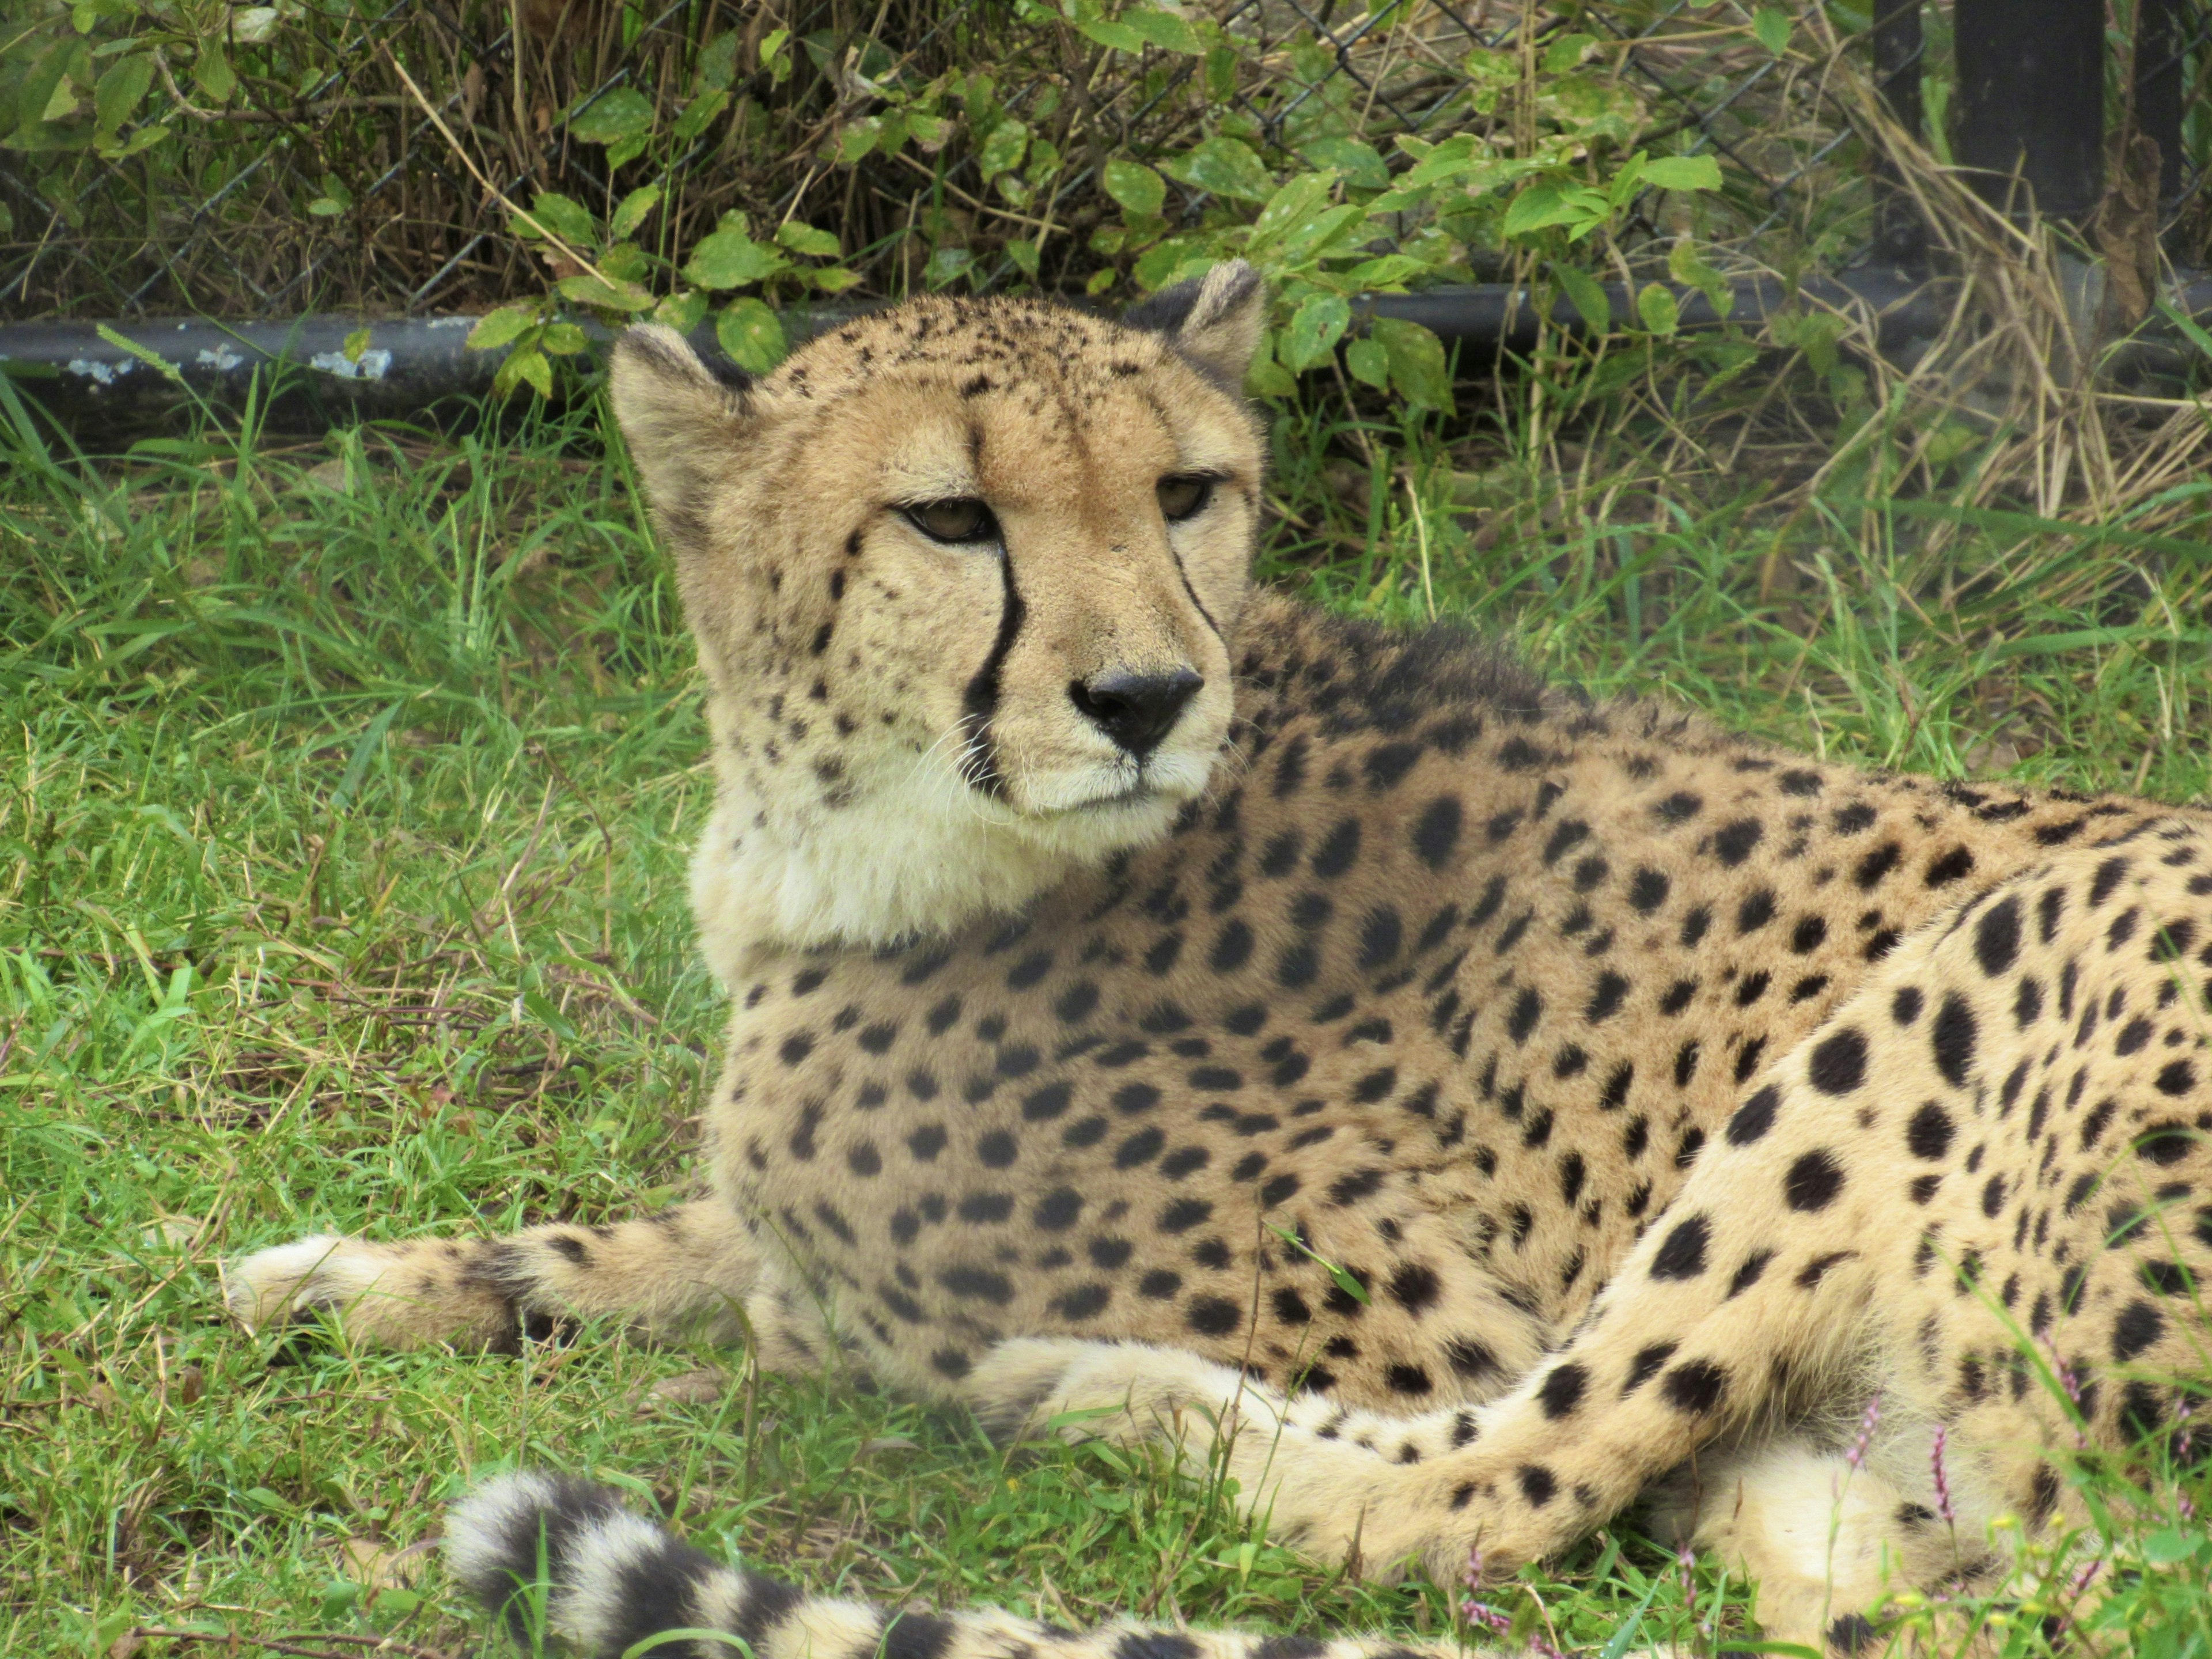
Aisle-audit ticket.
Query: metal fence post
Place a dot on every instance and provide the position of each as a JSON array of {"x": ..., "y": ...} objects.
[
  {"x": 2030, "y": 102},
  {"x": 1900, "y": 236}
]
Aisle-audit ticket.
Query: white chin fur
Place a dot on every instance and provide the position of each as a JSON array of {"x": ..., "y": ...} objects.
[{"x": 923, "y": 858}]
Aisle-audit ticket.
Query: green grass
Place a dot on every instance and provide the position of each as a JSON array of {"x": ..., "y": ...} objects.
[{"x": 345, "y": 791}]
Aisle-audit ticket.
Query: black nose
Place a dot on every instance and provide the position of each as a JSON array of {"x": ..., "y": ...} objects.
[{"x": 1136, "y": 710}]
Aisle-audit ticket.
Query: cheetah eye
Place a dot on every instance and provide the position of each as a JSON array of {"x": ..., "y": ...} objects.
[
  {"x": 963, "y": 521},
  {"x": 1183, "y": 496}
]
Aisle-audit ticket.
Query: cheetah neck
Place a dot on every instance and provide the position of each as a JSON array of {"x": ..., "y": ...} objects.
[{"x": 915, "y": 861}]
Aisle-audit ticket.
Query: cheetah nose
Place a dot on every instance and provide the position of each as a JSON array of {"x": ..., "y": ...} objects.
[{"x": 1136, "y": 710}]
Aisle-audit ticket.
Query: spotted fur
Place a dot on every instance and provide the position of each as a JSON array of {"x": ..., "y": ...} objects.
[{"x": 1476, "y": 1104}]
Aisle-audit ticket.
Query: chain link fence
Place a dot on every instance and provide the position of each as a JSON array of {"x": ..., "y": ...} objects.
[{"x": 366, "y": 156}]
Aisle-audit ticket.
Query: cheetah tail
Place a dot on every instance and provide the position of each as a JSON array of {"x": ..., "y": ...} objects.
[{"x": 563, "y": 1558}]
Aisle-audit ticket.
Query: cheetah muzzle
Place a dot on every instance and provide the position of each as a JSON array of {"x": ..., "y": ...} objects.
[{"x": 1164, "y": 1011}]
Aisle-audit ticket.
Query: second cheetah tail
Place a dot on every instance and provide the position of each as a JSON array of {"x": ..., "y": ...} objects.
[{"x": 559, "y": 1557}]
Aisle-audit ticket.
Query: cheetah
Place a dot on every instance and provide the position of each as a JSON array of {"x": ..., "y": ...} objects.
[{"x": 1460, "y": 1106}]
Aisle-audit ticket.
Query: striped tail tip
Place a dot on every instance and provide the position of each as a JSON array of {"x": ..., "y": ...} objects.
[
  {"x": 556, "y": 1557},
  {"x": 559, "y": 1558}
]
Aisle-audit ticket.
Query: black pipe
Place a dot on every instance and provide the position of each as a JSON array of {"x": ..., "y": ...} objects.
[
  {"x": 2031, "y": 102},
  {"x": 1900, "y": 235},
  {"x": 1495, "y": 317},
  {"x": 95, "y": 388}
]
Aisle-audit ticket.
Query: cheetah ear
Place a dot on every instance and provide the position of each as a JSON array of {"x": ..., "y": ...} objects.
[
  {"x": 679, "y": 416},
  {"x": 1214, "y": 319}
]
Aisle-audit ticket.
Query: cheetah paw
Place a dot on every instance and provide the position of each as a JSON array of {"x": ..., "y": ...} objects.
[{"x": 1126, "y": 1392}]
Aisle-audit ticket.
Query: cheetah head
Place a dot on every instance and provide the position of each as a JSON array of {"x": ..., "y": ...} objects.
[{"x": 962, "y": 575}]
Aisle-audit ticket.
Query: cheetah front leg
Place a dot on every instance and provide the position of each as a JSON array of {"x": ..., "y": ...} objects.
[{"x": 686, "y": 1269}]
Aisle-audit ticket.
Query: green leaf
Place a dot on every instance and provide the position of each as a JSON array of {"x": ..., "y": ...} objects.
[
  {"x": 1369, "y": 360},
  {"x": 1003, "y": 149},
  {"x": 613, "y": 116},
  {"x": 730, "y": 259},
  {"x": 1683, "y": 173},
  {"x": 562, "y": 340},
  {"x": 698, "y": 114},
  {"x": 1294, "y": 205},
  {"x": 121, "y": 87},
  {"x": 946, "y": 265},
  {"x": 1447, "y": 161},
  {"x": 1542, "y": 205},
  {"x": 833, "y": 279},
  {"x": 1316, "y": 327},
  {"x": 682, "y": 312},
  {"x": 1657, "y": 307},
  {"x": 2163, "y": 1549},
  {"x": 1416, "y": 357},
  {"x": 1224, "y": 167},
  {"x": 1139, "y": 190},
  {"x": 1359, "y": 162},
  {"x": 1106, "y": 33},
  {"x": 1687, "y": 267},
  {"x": 1164, "y": 29},
  {"x": 1771, "y": 25},
  {"x": 633, "y": 209},
  {"x": 212, "y": 71},
  {"x": 564, "y": 217},
  {"x": 751, "y": 335},
  {"x": 1565, "y": 54},
  {"x": 807, "y": 239},
  {"x": 718, "y": 59},
  {"x": 1267, "y": 378},
  {"x": 1587, "y": 294},
  {"x": 615, "y": 294}
]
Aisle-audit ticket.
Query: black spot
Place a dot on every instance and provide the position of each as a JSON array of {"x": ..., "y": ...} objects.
[
  {"x": 1682, "y": 1254},
  {"x": 1996, "y": 936},
  {"x": 1081, "y": 1302},
  {"x": 1647, "y": 891},
  {"x": 1852, "y": 1633},
  {"x": 1950, "y": 867},
  {"x": 1838, "y": 1065},
  {"x": 1437, "y": 830},
  {"x": 1732, "y": 845},
  {"x": 1538, "y": 1484},
  {"x": 1647, "y": 1362},
  {"x": 976, "y": 1285},
  {"x": 1754, "y": 1117},
  {"x": 1213, "y": 1315},
  {"x": 1381, "y": 934},
  {"x": 1953, "y": 1038},
  {"x": 1527, "y": 1009},
  {"x": 1415, "y": 1285},
  {"x": 1183, "y": 1214},
  {"x": 1930, "y": 1133},
  {"x": 1606, "y": 998},
  {"x": 1562, "y": 1390},
  {"x": 1336, "y": 854},
  {"x": 1470, "y": 1359},
  {"x": 1696, "y": 1386},
  {"x": 1057, "y": 1210},
  {"x": 1747, "y": 1275},
  {"x": 2140, "y": 1324},
  {"x": 1232, "y": 949},
  {"x": 1406, "y": 1379},
  {"x": 2108, "y": 877},
  {"x": 1877, "y": 863},
  {"x": 1812, "y": 1182}
]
